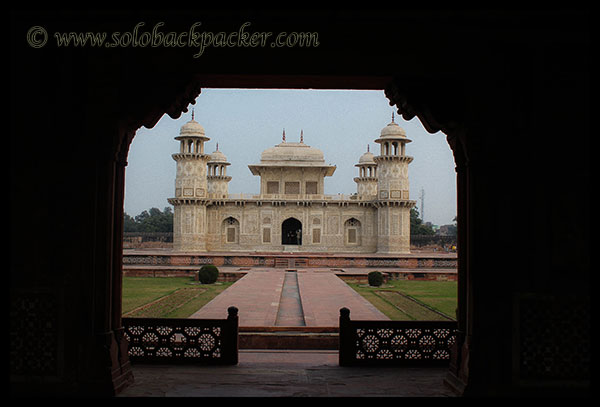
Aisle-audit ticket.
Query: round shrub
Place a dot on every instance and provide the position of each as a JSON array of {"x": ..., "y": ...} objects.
[
  {"x": 208, "y": 274},
  {"x": 375, "y": 278}
]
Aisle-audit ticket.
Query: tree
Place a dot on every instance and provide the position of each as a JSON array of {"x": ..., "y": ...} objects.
[
  {"x": 152, "y": 220},
  {"x": 416, "y": 224},
  {"x": 375, "y": 278},
  {"x": 452, "y": 229},
  {"x": 208, "y": 274},
  {"x": 129, "y": 224}
]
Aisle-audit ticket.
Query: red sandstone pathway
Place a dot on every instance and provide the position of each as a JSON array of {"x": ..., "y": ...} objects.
[
  {"x": 259, "y": 293},
  {"x": 323, "y": 294},
  {"x": 256, "y": 295}
]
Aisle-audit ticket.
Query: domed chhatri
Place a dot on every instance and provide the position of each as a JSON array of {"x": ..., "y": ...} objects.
[
  {"x": 291, "y": 211},
  {"x": 392, "y": 130},
  {"x": 192, "y": 138},
  {"x": 392, "y": 140},
  {"x": 366, "y": 182},
  {"x": 192, "y": 128},
  {"x": 218, "y": 180},
  {"x": 367, "y": 158},
  {"x": 217, "y": 156}
]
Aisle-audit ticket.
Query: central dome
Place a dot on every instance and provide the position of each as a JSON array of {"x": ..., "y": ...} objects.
[
  {"x": 292, "y": 155},
  {"x": 292, "y": 152}
]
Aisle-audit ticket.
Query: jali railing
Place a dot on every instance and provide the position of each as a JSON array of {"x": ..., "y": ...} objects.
[
  {"x": 183, "y": 340},
  {"x": 395, "y": 343}
]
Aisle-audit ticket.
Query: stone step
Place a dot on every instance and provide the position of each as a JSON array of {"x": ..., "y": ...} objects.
[
  {"x": 279, "y": 262},
  {"x": 288, "y": 338}
]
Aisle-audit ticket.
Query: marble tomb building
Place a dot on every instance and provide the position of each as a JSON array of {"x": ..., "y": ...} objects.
[{"x": 291, "y": 212}]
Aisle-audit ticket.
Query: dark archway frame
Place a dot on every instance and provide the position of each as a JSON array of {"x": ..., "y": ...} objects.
[{"x": 509, "y": 90}]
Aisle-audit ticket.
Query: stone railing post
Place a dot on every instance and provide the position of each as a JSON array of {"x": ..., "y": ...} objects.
[
  {"x": 232, "y": 337},
  {"x": 345, "y": 339}
]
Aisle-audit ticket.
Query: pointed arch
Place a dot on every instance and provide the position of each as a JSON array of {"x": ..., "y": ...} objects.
[{"x": 291, "y": 232}]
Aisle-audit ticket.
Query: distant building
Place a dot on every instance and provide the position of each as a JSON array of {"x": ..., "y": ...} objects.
[
  {"x": 447, "y": 230},
  {"x": 291, "y": 212}
]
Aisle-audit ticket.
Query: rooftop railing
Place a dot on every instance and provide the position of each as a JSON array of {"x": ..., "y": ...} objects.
[{"x": 328, "y": 197}]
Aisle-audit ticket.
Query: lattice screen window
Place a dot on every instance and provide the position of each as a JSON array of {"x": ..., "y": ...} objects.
[
  {"x": 292, "y": 188},
  {"x": 272, "y": 187},
  {"x": 266, "y": 235},
  {"x": 352, "y": 222},
  {"x": 34, "y": 328},
  {"x": 352, "y": 231},
  {"x": 231, "y": 230},
  {"x": 316, "y": 235},
  {"x": 311, "y": 187},
  {"x": 552, "y": 337},
  {"x": 230, "y": 235}
]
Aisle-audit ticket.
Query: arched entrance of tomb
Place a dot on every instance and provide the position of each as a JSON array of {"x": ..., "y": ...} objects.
[{"x": 291, "y": 232}]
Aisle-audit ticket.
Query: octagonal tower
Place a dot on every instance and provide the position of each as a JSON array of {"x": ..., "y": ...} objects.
[
  {"x": 393, "y": 204},
  {"x": 191, "y": 189}
]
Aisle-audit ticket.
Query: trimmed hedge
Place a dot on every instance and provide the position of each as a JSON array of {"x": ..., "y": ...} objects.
[
  {"x": 208, "y": 274},
  {"x": 375, "y": 278}
]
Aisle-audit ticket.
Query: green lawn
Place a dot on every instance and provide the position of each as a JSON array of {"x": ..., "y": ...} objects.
[
  {"x": 403, "y": 300},
  {"x": 167, "y": 297},
  {"x": 180, "y": 297}
]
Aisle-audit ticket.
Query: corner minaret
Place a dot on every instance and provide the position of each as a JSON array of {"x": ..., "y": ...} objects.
[
  {"x": 191, "y": 189},
  {"x": 366, "y": 182},
  {"x": 392, "y": 191},
  {"x": 218, "y": 180}
]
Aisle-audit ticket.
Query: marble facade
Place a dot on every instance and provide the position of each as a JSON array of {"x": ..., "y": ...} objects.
[{"x": 291, "y": 212}]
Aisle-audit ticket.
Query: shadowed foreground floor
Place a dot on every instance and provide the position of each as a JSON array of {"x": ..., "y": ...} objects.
[{"x": 285, "y": 373}]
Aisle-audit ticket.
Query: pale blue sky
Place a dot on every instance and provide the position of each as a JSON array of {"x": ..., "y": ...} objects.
[{"x": 247, "y": 121}]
